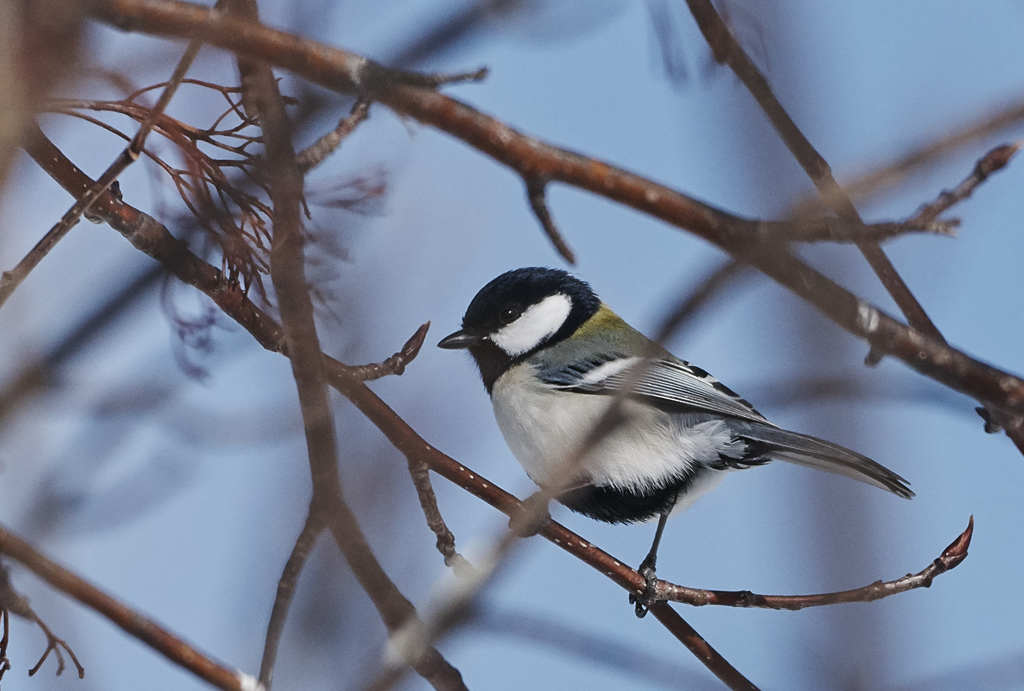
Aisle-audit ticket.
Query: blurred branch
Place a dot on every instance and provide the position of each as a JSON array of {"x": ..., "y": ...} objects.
[
  {"x": 887, "y": 175},
  {"x": 10, "y": 280},
  {"x": 286, "y": 585},
  {"x": 344, "y": 71},
  {"x": 726, "y": 49},
  {"x": 131, "y": 621},
  {"x": 287, "y": 271}
]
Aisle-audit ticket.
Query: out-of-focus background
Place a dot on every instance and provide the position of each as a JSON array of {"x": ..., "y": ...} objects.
[{"x": 164, "y": 461}]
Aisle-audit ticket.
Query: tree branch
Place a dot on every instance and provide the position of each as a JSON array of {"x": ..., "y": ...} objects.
[
  {"x": 344, "y": 71},
  {"x": 287, "y": 271},
  {"x": 10, "y": 280},
  {"x": 726, "y": 49},
  {"x": 147, "y": 235},
  {"x": 157, "y": 242},
  {"x": 131, "y": 621}
]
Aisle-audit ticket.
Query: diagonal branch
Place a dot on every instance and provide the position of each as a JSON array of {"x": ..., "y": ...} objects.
[
  {"x": 727, "y": 49},
  {"x": 131, "y": 621},
  {"x": 344, "y": 71},
  {"x": 10, "y": 280}
]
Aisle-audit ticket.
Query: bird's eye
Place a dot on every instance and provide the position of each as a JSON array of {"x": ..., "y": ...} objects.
[{"x": 509, "y": 314}]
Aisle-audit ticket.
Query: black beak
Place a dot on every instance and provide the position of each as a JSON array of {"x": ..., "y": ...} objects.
[{"x": 460, "y": 339}]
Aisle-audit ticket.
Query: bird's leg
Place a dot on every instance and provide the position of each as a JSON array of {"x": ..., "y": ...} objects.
[{"x": 647, "y": 569}]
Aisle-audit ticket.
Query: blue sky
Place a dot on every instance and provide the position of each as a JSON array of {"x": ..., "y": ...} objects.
[{"x": 183, "y": 496}]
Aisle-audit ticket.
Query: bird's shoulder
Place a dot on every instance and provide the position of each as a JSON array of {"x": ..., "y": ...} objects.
[{"x": 606, "y": 355}]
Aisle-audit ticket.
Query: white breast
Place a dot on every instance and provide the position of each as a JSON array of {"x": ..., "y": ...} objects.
[{"x": 543, "y": 427}]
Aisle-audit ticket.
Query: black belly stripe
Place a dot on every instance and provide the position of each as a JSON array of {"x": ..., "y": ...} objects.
[{"x": 615, "y": 505}]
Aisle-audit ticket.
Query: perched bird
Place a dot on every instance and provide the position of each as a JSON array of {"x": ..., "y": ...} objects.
[{"x": 552, "y": 356}]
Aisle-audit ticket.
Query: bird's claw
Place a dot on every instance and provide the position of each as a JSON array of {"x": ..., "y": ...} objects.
[{"x": 642, "y": 602}]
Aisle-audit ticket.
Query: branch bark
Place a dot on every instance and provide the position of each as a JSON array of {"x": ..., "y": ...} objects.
[
  {"x": 344, "y": 71},
  {"x": 134, "y": 623}
]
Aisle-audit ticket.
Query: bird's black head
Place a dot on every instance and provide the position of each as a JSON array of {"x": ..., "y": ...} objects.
[{"x": 518, "y": 313}]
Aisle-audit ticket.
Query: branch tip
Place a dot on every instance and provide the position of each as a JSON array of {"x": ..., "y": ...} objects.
[{"x": 536, "y": 193}]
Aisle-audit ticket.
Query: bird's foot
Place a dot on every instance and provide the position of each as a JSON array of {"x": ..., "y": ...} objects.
[
  {"x": 532, "y": 516},
  {"x": 642, "y": 602}
]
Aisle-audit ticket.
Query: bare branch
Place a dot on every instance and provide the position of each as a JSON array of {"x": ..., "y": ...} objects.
[
  {"x": 311, "y": 529},
  {"x": 885, "y": 176},
  {"x": 396, "y": 363},
  {"x": 315, "y": 153},
  {"x": 992, "y": 162},
  {"x": 10, "y": 280},
  {"x": 131, "y": 621},
  {"x": 950, "y": 558},
  {"x": 287, "y": 271},
  {"x": 341, "y": 70},
  {"x": 536, "y": 194},
  {"x": 11, "y": 602}
]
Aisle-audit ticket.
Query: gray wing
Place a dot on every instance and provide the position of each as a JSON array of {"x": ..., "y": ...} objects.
[
  {"x": 664, "y": 382},
  {"x": 676, "y": 385}
]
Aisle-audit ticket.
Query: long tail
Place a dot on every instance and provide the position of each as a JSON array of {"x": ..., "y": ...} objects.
[{"x": 818, "y": 453}]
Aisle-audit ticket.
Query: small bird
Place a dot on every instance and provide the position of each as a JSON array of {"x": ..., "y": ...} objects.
[{"x": 553, "y": 358}]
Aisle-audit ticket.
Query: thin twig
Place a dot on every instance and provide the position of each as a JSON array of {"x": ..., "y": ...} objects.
[
  {"x": 5, "y": 622},
  {"x": 395, "y": 364},
  {"x": 992, "y": 162},
  {"x": 727, "y": 49},
  {"x": 950, "y": 558},
  {"x": 131, "y": 621},
  {"x": 287, "y": 271},
  {"x": 10, "y": 280},
  {"x": 536, "y": 194},
  {"x": 315, "y": 153},
  {"x": 11, "y": 602},
  {"x": 286, "y": 584},
  {"x": 445, "y": 539}
]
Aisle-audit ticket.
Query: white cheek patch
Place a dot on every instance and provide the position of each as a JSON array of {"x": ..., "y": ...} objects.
[{"x": 537, "y": 323}]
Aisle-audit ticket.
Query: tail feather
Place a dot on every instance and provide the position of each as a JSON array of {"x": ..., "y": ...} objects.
[{"x": 818, "y": 453}]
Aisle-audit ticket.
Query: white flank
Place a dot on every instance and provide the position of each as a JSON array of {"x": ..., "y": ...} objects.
[
  {"x": 544, "y": 427},
  {"x": 538, "y": 323}
]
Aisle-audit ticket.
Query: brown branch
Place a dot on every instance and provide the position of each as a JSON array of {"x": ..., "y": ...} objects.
[
  {"x": 287, "y": 271},
  {"x": 395, "y": 364},
  {"x": 156, "y": 241},
  {"x": 536, "y": 194},
  {"x": 286, "y": 584},
  {"x": 315, "y": 153},
  {"x": 726, "y": 49},
  {"x": 147, "y": 235},
  {"x": 992, "y": 162},
  {"x": 5, "y": 622},
  {"x": 344, "y": 71},
  {"x": 950, "y": 558},
  {"x": 131, "y": 621}
]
